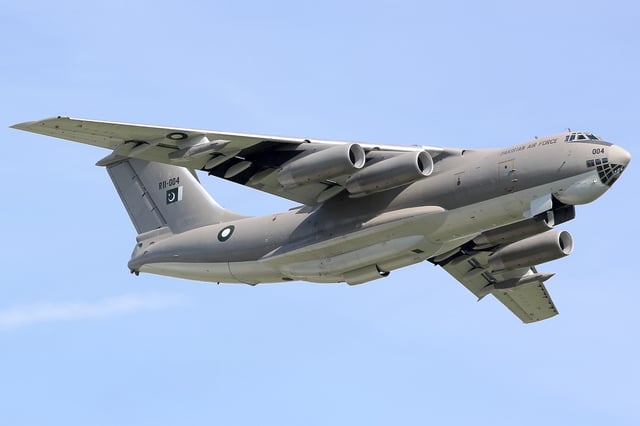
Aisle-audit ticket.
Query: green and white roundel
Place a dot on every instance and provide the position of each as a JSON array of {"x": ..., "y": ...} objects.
[{"x": 225, "y": 233}]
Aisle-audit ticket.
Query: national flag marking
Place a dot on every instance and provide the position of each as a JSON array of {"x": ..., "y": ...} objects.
[{"x": 174, "y": 195}]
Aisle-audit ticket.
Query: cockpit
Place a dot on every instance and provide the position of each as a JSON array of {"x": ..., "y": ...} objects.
[{"x": 580, "y": 136}]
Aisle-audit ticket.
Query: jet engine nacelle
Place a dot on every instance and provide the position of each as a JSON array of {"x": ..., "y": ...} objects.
[
  {"x": 390, "y": 173},
  {"x": 532, "y": 251},
  {"x": 325, "y": 164}
]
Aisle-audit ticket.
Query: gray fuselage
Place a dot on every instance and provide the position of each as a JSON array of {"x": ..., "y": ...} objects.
[{"x": 468, "y": 193}]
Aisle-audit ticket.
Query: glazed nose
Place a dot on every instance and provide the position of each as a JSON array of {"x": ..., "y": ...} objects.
[{"x": 610, "y": 169}]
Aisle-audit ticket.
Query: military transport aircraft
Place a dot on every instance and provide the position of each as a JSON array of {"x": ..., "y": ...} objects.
[{"x": 484, "y": 215}]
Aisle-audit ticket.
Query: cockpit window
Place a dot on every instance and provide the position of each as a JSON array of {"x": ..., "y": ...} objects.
[{"x": 579, "y": 136}]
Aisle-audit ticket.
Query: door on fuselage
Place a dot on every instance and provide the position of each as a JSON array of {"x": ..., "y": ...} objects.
[{"x": 507, "y": 175}]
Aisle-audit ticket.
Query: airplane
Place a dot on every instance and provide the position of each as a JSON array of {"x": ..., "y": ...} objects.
[{"x": 486, "y": 216}]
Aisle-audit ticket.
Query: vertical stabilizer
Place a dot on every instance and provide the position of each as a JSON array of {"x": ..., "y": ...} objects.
[{"x": 158, "y": 195}]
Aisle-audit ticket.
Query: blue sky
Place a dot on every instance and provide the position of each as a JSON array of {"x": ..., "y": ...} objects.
[{"x": 84, "y": 342}]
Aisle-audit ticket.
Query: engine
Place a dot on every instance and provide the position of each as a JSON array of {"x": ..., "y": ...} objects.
[
  {"x": 390, "y": 173},
  {"x": 325, "y": 164},
  {"x": 532, "y": 251}
]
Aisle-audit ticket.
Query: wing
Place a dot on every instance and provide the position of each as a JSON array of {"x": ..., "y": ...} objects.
[
  {"x": 258, "y": 161},
  {"x": 521, "y": 290}
]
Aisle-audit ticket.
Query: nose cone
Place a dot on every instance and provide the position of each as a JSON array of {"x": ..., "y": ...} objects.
[
  {"x": 618, "y": 155},
  {"x": 608, "y": 170}
]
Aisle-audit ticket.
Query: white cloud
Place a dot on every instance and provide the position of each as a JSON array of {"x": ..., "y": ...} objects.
[{"x": 21, "y": 316}]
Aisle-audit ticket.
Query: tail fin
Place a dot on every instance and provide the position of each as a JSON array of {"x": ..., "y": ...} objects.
[{"x": 160, "y": 195}]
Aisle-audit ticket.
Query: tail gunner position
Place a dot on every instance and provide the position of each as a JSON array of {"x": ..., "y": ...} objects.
[{"x": 486, "y": 216}]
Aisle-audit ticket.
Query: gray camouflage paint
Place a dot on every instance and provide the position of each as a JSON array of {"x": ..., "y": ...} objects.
[{"x": 449, "y": 217}]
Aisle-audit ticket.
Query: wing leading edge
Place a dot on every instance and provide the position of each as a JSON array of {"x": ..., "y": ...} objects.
[{"x": 248, "y": 159}]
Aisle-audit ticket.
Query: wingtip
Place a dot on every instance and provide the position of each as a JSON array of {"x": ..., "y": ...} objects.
[
  {"x": 28, "y": 125},
  {"x": 22, "y": 126}
]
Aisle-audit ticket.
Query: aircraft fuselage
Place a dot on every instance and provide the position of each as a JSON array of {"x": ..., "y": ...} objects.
[{"x": 358, "y": 239}]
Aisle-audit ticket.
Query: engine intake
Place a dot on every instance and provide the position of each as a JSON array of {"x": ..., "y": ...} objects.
[
  {"x": 532, "y": 251},
  {"x": 325, "y": 164},
  {"x": 390, "y": 173}
]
